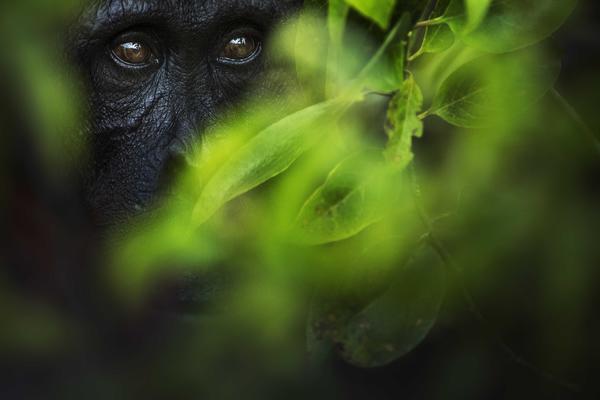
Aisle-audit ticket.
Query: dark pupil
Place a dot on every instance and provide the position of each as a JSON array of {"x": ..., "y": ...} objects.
[
  {"x": 132, "y": 52},
  {"x": 239, "y": 48}
]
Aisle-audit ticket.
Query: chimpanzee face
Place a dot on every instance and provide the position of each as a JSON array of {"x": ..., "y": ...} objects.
[{"x": 157, "y": 74}]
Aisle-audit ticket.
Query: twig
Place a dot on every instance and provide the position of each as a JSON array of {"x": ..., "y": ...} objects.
[
  {"x": 446, "y": 258},
  {"x": 430, "y": 22},
  {"x": 570, "y": 110}
]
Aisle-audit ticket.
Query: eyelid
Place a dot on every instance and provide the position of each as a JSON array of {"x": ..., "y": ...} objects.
[{"x": 241, "y": 29}]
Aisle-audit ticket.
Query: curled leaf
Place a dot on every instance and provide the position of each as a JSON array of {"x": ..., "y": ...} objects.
[{"x": 404, "y": 123}]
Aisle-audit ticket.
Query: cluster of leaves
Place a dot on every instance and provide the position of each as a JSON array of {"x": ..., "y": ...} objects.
[{"x": 344, "y": 212}]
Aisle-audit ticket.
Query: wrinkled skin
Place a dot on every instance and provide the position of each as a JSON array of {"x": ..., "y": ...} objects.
[{"x": 143, "y": 121}]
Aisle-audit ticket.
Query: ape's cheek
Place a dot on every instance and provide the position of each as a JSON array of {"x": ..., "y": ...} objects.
[
  {"x": 124, "y": 185},
  {"x": 115, "y": 200}
]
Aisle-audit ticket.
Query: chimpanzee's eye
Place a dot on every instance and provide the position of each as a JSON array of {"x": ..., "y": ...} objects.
[
  {"x": 240, "y": 49},
  {"x": 133, "y": 53}
]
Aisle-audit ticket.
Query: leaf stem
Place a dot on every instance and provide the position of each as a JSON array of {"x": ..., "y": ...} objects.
[
  {"x": 424, "y": 114},
  {"x": 380, "y": 93},
  {"x": 401, "y": 28},
  {"x": 414, "y": 56},
  {"x": 430, "y": 22},
  {"x": 418, "y": 35}
]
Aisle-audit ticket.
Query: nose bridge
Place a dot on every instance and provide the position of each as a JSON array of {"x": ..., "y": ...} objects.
[
  {"x": 189, "y": 72},
  {"x": 181, "y": 150},
  {"x": 191, "y": 111},
  {"x": 190, "y": 120},
  {"x": 186, "y": 136}
]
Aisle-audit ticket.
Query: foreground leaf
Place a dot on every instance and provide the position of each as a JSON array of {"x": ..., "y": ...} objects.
[
  {"x": 379, "y": 11},
  {"x": 265, "y": 156},
  {"x": 336, "y": 24},
  {"x": 466, "y": 15},
  {"x": 476, "y": 12},
  {"x": 336, "y": 20}
]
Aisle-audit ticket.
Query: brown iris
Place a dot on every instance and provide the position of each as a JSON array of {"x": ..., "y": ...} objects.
[
  {"x": 134, "y": 53},
  {"x": 240, "y": 48}
]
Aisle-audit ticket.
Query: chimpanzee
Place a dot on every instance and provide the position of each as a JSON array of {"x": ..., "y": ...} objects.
[{"x": 157, "y": 73}]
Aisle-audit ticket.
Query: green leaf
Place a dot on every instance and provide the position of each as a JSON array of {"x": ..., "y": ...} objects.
[
  {"x": 403, "y": 123},
  {"x": 491, "y": 88},
  {"x": 437, "y": 38},
  {"x": 336, "y": 24},
  {"x": 398, "y": 49},
  {"x": 395, "y": 323},
  {"x": 461, "y": 98},
  {"x": 389, "y": 325},
  {"x": 385, "y": 69},
  {"x": 465, "y": 15},
  {"x": 353, "y": 197},
  {"x": 379, "y": 11},
  {"x": 265, "y": 156},
  {"x": 476, "y": 12},
  {"x": 336, "y": 20},
  {"x": 499, "y": 26}
]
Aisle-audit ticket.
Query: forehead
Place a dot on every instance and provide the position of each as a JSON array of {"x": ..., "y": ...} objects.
[{"x": 186, "y": 12}]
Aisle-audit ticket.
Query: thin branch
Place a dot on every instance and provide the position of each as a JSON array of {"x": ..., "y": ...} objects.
[
  {"x": 379, "y": 93},
  {"x": 446, "y": 258},
  {"x": 574, "y": 115},
  {"x": 418, "y": 34}
]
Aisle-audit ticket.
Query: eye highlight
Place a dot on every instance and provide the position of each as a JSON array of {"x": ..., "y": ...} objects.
[
  {"x": 134, "y": 53},
  {"x": 240, "y": 49}
]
